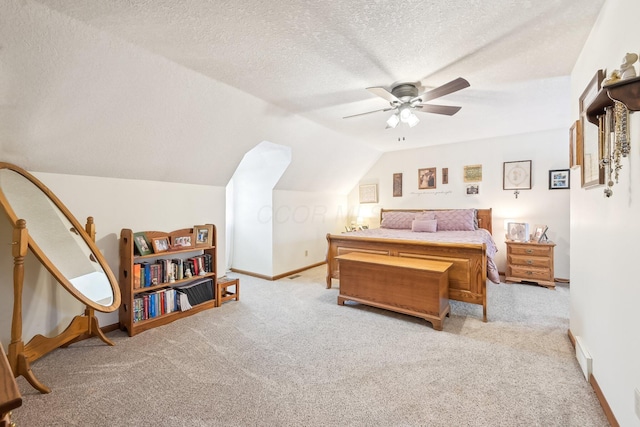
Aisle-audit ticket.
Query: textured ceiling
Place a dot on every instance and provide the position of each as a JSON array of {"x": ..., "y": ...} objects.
[{"x": 315, "y": 58}]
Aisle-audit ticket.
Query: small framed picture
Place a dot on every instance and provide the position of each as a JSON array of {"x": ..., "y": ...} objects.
[
  {"x": 397, "y": 185},
  {"x": 142, "y": 244},
  {"x": 368, "y": 193},
  {"x": 516, "y": 175},
  {"x": 182, "y": 239},
  {"x": 203, "y": 235},
  {"x": 559, "y": 179},
  {"x": 160, "y": 244},
  {"x": 473, "y": 189},
  {"x": 473, "y": 173},
  {"x": 540, "y": 233}
]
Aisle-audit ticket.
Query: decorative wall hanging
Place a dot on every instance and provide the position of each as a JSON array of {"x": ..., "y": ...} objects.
[
  {"x": 397, "y": 185},
  {"x": 473, "y": 189},
  {"x": 575, "y": 145},
  {"x": 369, "y": 193},
  {"x": 473, "y": 173},
  {"x": 427, "y": 178},
  {"x": 559, "y": 179},
  {"x": 592, "y": 174},
  {"x": 517, "y": 175},
  {"x": 445, "y": 175}
]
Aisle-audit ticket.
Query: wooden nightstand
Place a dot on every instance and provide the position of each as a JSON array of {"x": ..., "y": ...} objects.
[{"x": 530, "y": 262}]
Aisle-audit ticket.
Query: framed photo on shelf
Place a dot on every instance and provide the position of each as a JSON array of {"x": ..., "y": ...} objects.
[
  {"x": 518, "y": 231},
  {"x": 516, "y": 175},
  {"x": 160, "y": 244},
  {"x": 473, "y": 173},
  {"x": 539, "y": 234},
  {"x": 182, "y": 239},
  {"x": 592, "y": 173},
  {"x": 559, "y": 179},
  {"x": 142, "y": 243},
  {"x": 203, "y": 235},
  {"x": 368, "y": 193},
  {"x": 427, "y": 179},
  {"x": 397, "y": 185}
]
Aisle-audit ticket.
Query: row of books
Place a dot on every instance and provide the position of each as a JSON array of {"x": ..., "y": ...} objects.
[
  {"x": 168, "y": 270},
  {"x": 180, "y": 298}
]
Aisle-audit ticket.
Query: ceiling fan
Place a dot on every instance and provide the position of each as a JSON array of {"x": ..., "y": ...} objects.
[{"x": 405, "y": 98}]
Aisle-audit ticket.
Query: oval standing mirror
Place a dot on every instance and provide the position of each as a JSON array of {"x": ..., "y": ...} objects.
[{"x": 58, "y": 240}]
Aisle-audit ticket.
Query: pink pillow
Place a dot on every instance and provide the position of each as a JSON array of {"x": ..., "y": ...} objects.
[
  {"x": 397, "y": 220},
  {"x": 424, "y": 225},
  {"x": 456, "y": 220},
  {"x": 426, "y": 215}
]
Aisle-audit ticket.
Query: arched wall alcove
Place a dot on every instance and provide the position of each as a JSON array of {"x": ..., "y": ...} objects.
[{"x": 249, "y": 208}]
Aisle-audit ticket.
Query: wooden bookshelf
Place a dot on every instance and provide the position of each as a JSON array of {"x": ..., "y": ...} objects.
[{"x": 130, "y": 290}]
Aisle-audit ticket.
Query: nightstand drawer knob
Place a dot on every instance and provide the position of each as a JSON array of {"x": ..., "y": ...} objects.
[
  {"x": 529, "y": 251},
  {"x": 529, "y": 273},
  {"x": 529, "y": 262}
]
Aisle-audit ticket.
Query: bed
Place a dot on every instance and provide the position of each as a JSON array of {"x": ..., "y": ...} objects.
[{"x": 460, "y": 236}]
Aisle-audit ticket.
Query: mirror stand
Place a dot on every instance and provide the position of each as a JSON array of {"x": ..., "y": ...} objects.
[{"x": 20, "y": 355}]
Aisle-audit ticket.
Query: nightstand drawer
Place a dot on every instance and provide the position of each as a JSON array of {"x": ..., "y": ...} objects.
[
  {"x": 533, "y": 274},
  {"x": 530, "y": 261},
  {"x": 531, "y": 250}
]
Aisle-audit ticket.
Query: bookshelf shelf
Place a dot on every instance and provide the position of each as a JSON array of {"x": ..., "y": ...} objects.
[{"x": 154, "y": 299}]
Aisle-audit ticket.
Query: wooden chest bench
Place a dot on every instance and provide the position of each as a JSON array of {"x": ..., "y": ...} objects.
[{"x": 412, "y": 286}]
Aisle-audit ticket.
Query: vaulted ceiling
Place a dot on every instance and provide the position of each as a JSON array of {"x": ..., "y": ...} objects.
[{"x": 315, "y": 58}]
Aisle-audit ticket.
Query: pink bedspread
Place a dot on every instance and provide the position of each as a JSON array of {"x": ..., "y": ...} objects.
[{"x": 476, "y": 236}]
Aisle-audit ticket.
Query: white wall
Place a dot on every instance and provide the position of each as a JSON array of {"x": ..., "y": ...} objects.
[
  {"x": 253, "y": 183},
  {"x": 604, "y": 273},
  {"x": 547, "y": 150},
  {"x": 114, "y": 204},
  {"x": 301, "y": 222}
]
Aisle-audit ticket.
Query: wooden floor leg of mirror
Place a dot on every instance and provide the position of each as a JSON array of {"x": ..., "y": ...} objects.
[
  {"x": 94, "y": 327},
  {"x": 20, "y": 366}
]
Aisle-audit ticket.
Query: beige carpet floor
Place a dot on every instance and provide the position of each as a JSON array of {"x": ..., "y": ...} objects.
[{"x": 287, "y": 355}]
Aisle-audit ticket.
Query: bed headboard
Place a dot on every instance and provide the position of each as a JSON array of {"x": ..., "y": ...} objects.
[{"x": 483, "y": 215}]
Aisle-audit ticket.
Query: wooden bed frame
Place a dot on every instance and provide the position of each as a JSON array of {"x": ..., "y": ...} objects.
[{"x": 467, "y": 276}]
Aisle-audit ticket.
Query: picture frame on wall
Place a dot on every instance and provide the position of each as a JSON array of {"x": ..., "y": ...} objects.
[
  {"x": 397, "y": 185},
  {"x": 559, "y": 179},
  {"x": 473, "y": 173},
  {"x": 516, "y": 175},
  {"x": 592, "y": 173},
  {"x": 368, "y": 193},
  {"x": 575, "y": 145},
  {"x": 445, "y": 175},
  {"x": 427, "y": 179}
]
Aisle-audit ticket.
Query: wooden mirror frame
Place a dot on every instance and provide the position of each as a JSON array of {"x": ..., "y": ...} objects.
[{"x": 20, "y": 355}]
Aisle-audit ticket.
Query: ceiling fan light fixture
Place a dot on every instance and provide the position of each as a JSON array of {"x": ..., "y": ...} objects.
[
  {"x": 393, "y": 121},
  {"x": 412, "y": 120},
  {"x": 405, "y": 114}
]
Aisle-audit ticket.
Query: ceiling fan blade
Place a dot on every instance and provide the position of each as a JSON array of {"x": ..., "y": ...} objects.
[
  {"x": 369, "y": 112},
  {"x": 438, "y": 109},
  {"x": 384, "y": 94},
  {"x": 445, "y": 89}
]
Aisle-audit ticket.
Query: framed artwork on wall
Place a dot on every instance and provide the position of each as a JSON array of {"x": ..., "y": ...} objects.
[
  {"x": 427, "y": 179},
  {"x": 397, "y": 185},
  {"x": 592, "y": 173},
  {"x": 473, "y": 173},
  {"x": 445, "y": 175},
  {"x": 516, "y": 175},
  {"x": 559, "y": 179},
  {"x": 368, "y": 193},
  {"x": 575, "y": 145}
]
